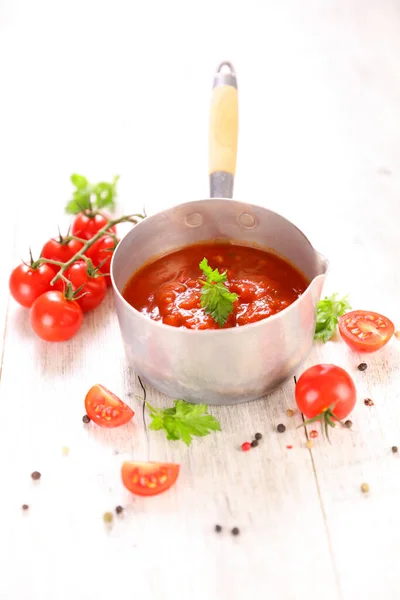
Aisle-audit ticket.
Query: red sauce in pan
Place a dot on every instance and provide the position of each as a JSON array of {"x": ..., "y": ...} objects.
[{"x": 168, "y": 289}]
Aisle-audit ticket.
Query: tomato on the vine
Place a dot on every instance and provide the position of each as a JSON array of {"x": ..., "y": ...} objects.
[
  {"x": 29, "y": 282},
  {"x": 86, "y": 224},
  {"x": 149, "y": 478},
  {"x": 325, "y": 393},
  {"x": 55, "y": 318},
  {"x": 62, "y": 249},
  {"x": 105, "y": 408},
  {"x": 101, "y": 254},
  {"x": 92, "y": 286},
  {"x": 365, "y": 331}
]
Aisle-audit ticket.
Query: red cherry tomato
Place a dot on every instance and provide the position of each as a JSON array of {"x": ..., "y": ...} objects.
[
  {"x": 365, "y": 331},
  {"x": 60, "y": 250},
  {"x": 105, "y": 408},
  {"x": 54, "y": 318},
  {"x": 94, "y": 288},
  {"x": 149, "y": 479},
  {"x": 86, "y": 224},
  {"x": 28, "y": 283},
  {"x": 326, "y": 393},
  {"x": 103, "y": 250}
]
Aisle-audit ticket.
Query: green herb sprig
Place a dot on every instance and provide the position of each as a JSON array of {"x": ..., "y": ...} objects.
[
  {"x": 216, "y": 299},
  {"x": 328, "y": 312},
  {"x": 89, "y": 196}
]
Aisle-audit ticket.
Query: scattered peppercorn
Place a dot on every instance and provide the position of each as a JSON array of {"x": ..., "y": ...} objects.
[
  {"x": 309, "y": 444},
  {"x": 362, "y": 366},
  {"x": 397, "y": 334},
  {"x": 258, "y": 436},
  {"x": 348, "y": 424},
  {"x": 281, "y": 428},
  {"x": 36, "y": 475},
  {"x": 314, "y": 433},
  {"x": 25, "y": 507},
  {"x": 218, "y": 528},
  {"x": 254, "y": 443},
  {"x": 368, "y": 402},
  {"x": 290, "y": 412},
  {"x": 65, "y": 450},
  {"x": 395, "y": 449},
  {"x": 108, "y": 517},
  {"x": 246, "y": 446},
  {"x": 289, "y": 447},
  {"x": 235, "y": 531},
  {"x": 119, "y": 509},
  {"x": 364, "y": 488},
  {"x": 86, "y": 419}
]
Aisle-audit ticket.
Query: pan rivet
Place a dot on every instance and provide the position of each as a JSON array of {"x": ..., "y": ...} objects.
[
  {"x": 247, "y": 220},
  {"x": 194, "y": 220}
]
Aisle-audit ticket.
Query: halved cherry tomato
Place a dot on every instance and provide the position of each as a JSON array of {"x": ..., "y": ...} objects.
[
  {"x": 54, "y": 318},
  {"x": 101, "y": 251},
  {"x": 149, "y": 478},
  {"x": 27, "y": 283},
  {"x": 365, "y": 331},
  {"x": 105, "y": 408},
  {"x": 325, "y": 393},
  {"x": 87, "y": 224},
  {"x": 61, "y": 250},
  {"x": 94, "y": 287}
]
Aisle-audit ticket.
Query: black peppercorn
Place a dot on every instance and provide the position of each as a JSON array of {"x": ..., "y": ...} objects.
[
  {"x": 368, "y": 402},
  {"x": 362, "y": 366},
  {"x": 254, "y": 443},
  {"x": 36, "y": 475},
  {"x": 218, "y": 528},
  {"x": 86, "y": 419},
  {"x": 395, "y": 449},
  {"x": 25, "y": 507},
  {"x": 281, "y": 428},
  {"x": 258, "y": 436},
  {"x": 348, "y": 424},
  {"x": 235, "y": 531},
  {"x": 119, "y": 509}
]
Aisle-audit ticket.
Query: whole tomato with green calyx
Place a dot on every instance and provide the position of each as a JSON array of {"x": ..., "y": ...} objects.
[
  {"x": 87, "y": 282},
  {"x": 325, "y": 393},
  {"x": 87, "y": 223},
  {"x": 56, "y": 316},
  {"x": 61, "y": 249},
  {"x": 101, "y": 254},
  {"x": 28, "y": 282}
]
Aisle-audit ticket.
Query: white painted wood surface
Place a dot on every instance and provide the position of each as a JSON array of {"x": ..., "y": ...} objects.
[{"x": 124, "y": 87}]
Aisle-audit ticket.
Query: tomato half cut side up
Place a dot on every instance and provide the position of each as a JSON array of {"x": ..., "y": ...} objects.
[
  {"x": 365, "y": 331},
  {"x": 105, "y": 408},
  {"x": 149, "y": 478}
]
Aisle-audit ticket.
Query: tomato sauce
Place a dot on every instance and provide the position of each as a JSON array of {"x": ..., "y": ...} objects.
[{"x": 169, "y": 288}]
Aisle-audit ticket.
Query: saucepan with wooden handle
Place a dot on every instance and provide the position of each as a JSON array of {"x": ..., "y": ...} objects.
[{"x": 223, "y": 365}]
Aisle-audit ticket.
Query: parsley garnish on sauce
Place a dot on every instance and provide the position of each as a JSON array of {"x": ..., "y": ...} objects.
[
  {"x": 216, "y": 299},
  {"x": 328, "y": 312}
]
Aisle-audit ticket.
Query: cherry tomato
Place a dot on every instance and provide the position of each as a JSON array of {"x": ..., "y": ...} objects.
[
  {"x": 149, "y": 478},
  {"x": 87, "y": 224},
  {"x": 54, "y": 318},
  {"x": 105, "y": 408},
  {"x": 28, "y": 283},
  {"x": 94, "y": 288},
  {"x": 103, "y": 250},
  {"x": 61, "y": 250},
  {"x": 365, "y": 331},
  {"x": 326, "y": 393}
]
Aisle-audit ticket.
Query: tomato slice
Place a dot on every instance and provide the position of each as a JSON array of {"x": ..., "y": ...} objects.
[
  {"x": 149, "y": 478},
  {"x": 105, "y": 408},
  {"x": 365, "y": 331}
]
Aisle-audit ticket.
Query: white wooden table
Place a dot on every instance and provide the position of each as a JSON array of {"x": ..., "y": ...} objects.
[{"x": 123, "y": 87}]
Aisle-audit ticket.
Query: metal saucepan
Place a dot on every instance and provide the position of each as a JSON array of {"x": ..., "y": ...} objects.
[{"x": 224, "y": 366}]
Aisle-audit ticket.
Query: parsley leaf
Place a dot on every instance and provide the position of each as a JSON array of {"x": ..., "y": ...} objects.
[
  {"x": 216, "y": 299},
  {"x": 91, "y": 196},
  {"x": 183, "y": 421},
  {"x": 328, "y": 312}
]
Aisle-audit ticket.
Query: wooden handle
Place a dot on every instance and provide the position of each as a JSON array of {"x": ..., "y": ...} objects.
[{"x": 223, "y": 124}]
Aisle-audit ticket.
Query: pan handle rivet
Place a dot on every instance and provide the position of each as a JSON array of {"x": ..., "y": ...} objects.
[
  {"x": 247, "y": 220},
  {"x": 194, "y": 219}
]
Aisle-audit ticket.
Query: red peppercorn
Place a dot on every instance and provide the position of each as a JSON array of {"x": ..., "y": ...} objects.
[
  {"x": 246, "y": 446},
  {"x": 313, "y": 433}
]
